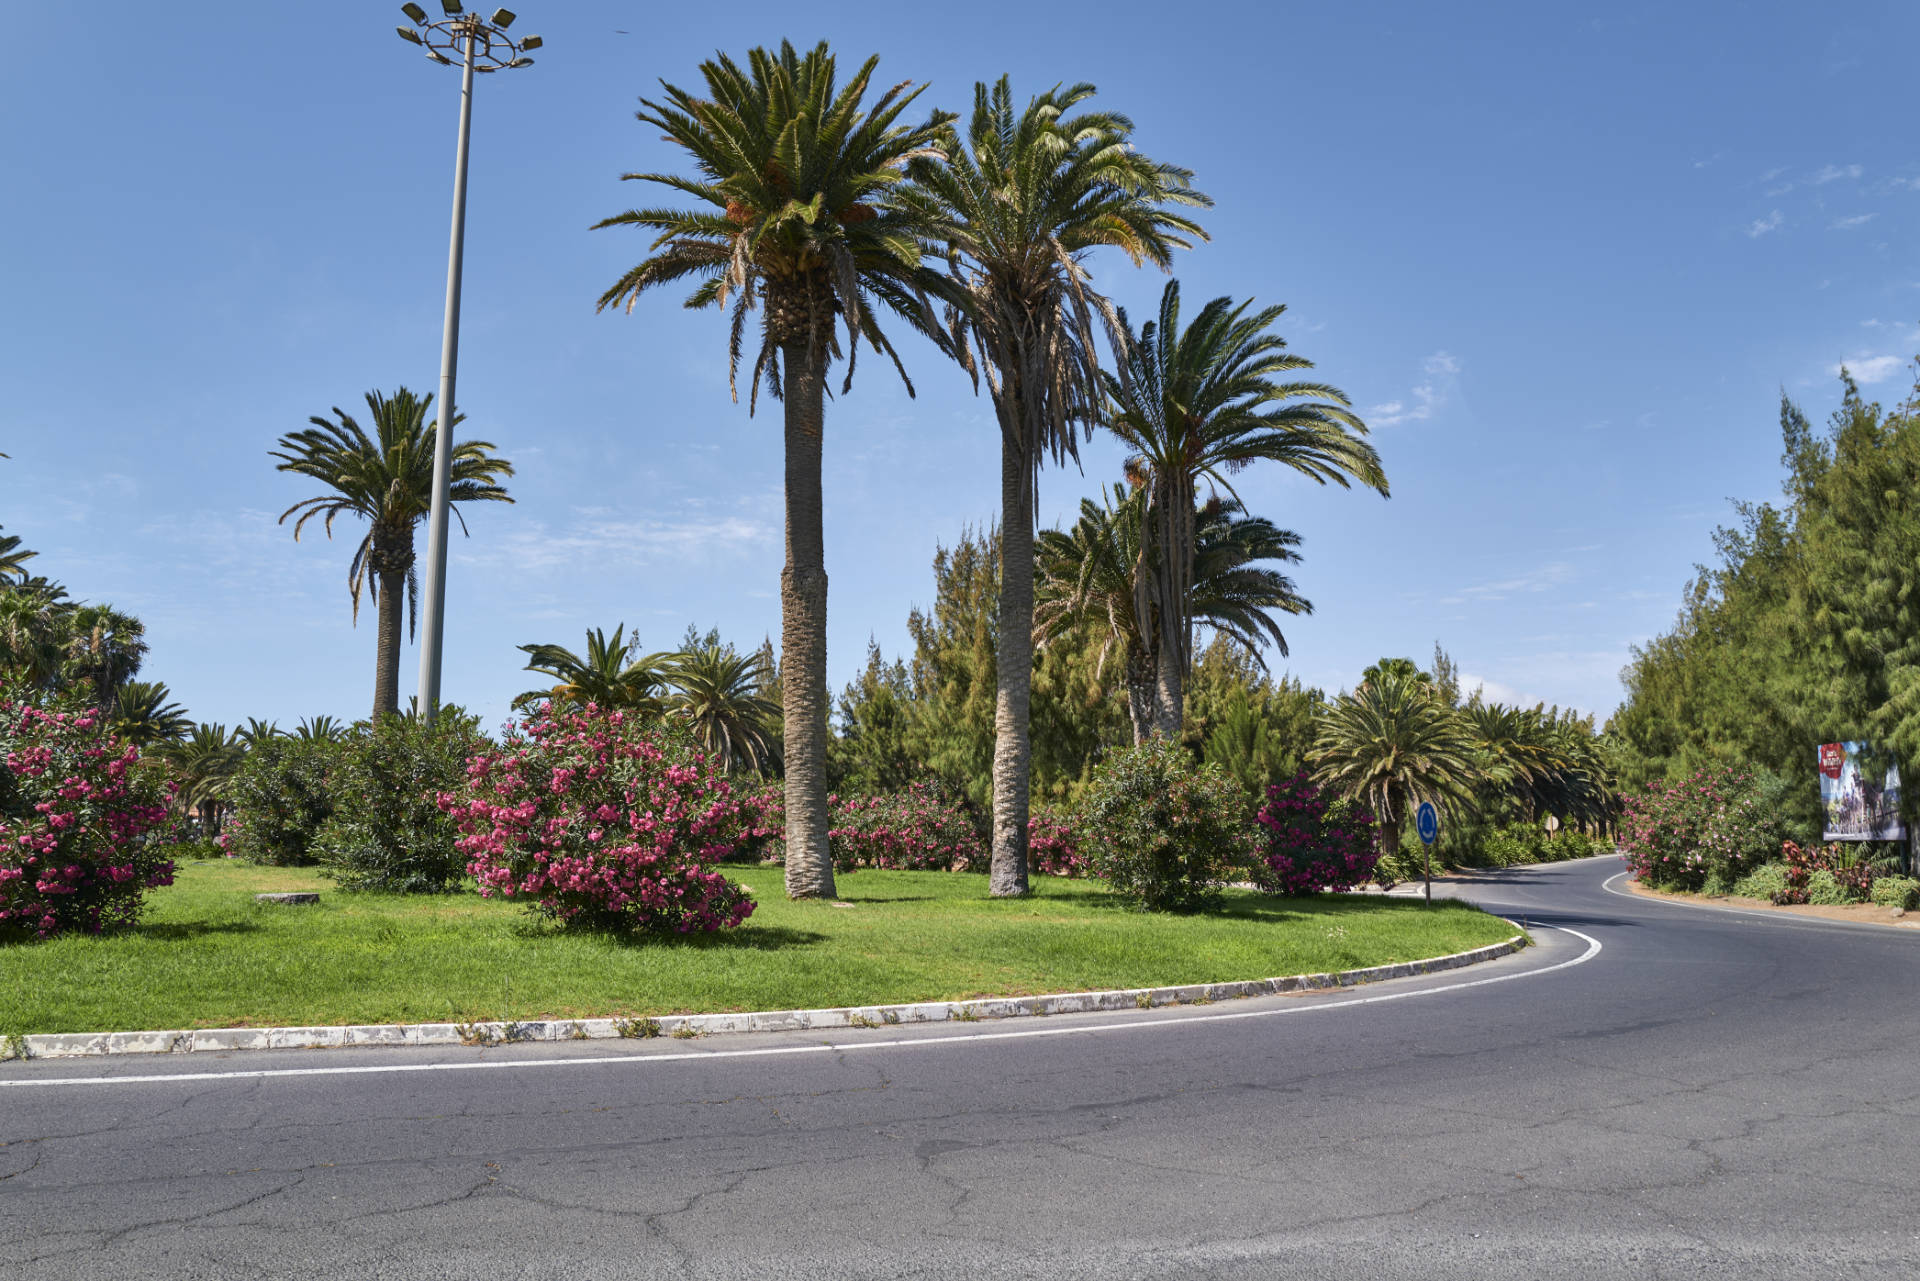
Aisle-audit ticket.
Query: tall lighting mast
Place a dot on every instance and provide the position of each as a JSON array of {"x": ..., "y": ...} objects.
[{"x": 482, "y": 45}]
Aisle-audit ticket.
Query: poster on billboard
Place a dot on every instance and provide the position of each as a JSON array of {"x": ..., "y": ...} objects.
[{"x": 1857, "y": 807}]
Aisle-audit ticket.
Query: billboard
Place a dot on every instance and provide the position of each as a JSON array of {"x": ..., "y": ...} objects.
[{"x": 1857, "y": 807}]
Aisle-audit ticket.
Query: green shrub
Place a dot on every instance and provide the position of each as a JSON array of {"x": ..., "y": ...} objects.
[
  {"x": 1674, "y": 833},
  {"x": 1718, "y": 884},
  {"x": 387, "y": 831},
  {"x": 1161, "y": 830},
  {"x": 1895, "y": 891},
  {"x": 1768, "y": 881},
  {"x": 280, "y": 801},
  {"x": 1824, "y": 888}
]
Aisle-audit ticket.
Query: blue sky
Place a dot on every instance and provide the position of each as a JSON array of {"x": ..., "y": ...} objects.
[{"x": 1563, "y": 259}]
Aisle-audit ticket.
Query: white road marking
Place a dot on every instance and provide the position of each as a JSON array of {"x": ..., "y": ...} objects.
[
  {"x": 1772, "y": 918},
  {"x": 844, "y": 1047}
]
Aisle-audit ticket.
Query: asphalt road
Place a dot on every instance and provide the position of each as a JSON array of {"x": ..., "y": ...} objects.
[{"x": 1654, "y": 1091}]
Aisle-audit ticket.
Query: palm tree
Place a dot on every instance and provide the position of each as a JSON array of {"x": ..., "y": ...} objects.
[
  {"x": 609, "y": 675},
  {"x": 717, "y": 693},
  {"x": 104, "y": 650},
  {"x": 204, "y": 764},
  {"x": 34, "y": 631},
  {"x": 1392, "y": 743},
  {"x": 387, "y": 479},
  {"x": 792, "y": 177},
  {"x": 1021, "y": 201},
  {"x": 1204, "y": 403},
  {"x": 258, "y": 731},
  {"x": 13, "y": 558},
  {"x": 144, "y": 714},
  {"x": 1085, "y": 579},
  {"x": 319, "y": 729}
]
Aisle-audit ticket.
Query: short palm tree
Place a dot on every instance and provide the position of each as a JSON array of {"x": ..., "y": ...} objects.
[
  {"x": 203, "y": 764},
  {"x": 790, "y": 176},
  {"x": 319, "y": 729},
  {"x": 717, "y": 694},
  {"x": 1085, "y": 581},
  {"x": 386, "y": 479},
  {"x": 258, "y": 731},
  {"x": 1203, "y": 403},
  {"x": 1393, "y": 743},
  {"x": 608, "y": 675},
  {"x": 144, "y": 714},
  {"x": 1021, "y": 201},
  {"x": 33, "y": 630}
]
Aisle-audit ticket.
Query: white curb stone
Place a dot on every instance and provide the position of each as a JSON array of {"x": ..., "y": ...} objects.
[{"x": 228, "y": 1040}]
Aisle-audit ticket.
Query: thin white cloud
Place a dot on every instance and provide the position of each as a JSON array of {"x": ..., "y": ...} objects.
[
  {"x": 1761, "y": 226},
  {"x": 1441, "y": 369},
  {"x": 1493, "y": 691},
  {"x": 600, "y": 541},
  {"x": 1867, "y": 370},
  {"x": 1857, "y": 220},
  {"x": 1541, "y": 579},
  {"x": 1833, "y": 173}
]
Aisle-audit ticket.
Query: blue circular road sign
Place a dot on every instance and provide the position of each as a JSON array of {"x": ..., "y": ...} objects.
[{"x": 1426, "y": 820}]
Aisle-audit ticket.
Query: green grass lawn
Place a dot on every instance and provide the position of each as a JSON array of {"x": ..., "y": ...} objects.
[{"x": 207, "y": 955}]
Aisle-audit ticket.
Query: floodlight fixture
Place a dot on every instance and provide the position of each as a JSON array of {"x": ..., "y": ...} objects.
[{"x": 480, "y": 46}]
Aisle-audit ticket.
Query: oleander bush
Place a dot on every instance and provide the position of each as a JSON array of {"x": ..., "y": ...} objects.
[
  {"x": 597, "y": 819},
  {"x": 79, "y": 821},
  {"x": 924, "y": 827},
  {"x": 1719, "y": 820},
  {"x": 281, "y": 799},
  {"x": 386, "y": 830},
  {"x": 1162, "y": 831},
  {"x": 1312, "y": 841},
  {"x": 1053, "y": 847}
]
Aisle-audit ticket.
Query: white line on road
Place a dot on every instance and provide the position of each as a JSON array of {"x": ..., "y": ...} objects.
[{"x": 844, "y": 1047}]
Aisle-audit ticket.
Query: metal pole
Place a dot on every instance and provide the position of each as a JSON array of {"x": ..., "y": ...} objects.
[{"x": 436, "y": 603}]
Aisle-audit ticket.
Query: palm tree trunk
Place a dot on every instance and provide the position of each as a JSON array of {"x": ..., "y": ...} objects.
[
  {"x": 386, "y": 669},
  {"x": 1012, "y": 745},
  {"x": 803, "y": 626},
  {"x": 1140, "y": 697},
  {"x": 1176, "y": 605}
]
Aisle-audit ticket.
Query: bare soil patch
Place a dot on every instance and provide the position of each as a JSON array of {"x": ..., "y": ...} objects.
[{"x": 1870, "y": 913}]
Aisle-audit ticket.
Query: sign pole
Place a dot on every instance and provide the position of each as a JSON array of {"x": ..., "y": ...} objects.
[{"x": 1426, "y": 821}]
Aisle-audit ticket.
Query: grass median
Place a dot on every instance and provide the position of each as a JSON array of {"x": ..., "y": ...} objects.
[{"x": 207, "y": 955}]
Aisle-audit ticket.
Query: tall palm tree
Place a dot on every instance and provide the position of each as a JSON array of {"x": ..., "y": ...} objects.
[
  {"x": 33, "y": 630},
  {"x": 1022, "y": 201},
  {"x": 386, "y": 479},
  {"x": 1203, "y": 403},
  {"x": 717, "y": 693},
  {"x": 609, "y": 674},
  {"x": 1085, "y": 581},
  {"x": 1393, "y": 743},
  {"x": 104, "y": 650},
  {"x": 792, "y": 175},
  {"x": 144, "y": 714}
]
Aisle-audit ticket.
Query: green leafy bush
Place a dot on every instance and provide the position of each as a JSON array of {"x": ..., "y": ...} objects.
[
  {"x": 1768, "y": 881},
  {"x": 386, "y": 831},
  {"x": 1895, "y": 891},
  {"x": 1673, "y": 834},
  {"x": 1161, "y": 830},
  {"x": 1825, "y": 889},
  {"x": 280, "y": 801}
]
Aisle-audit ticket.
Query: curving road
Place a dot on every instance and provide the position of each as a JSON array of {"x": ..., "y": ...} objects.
[{"x": 1656, "y": 1090}]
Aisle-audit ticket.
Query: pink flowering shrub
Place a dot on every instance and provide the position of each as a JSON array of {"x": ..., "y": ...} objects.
[
  {"x": 1313, "y": 842},
  {"x": 1714, "y": 827},
  {"x": 600, "y": 821},
  {"x": 926, "y": 827},
  {"x": 75, "y": 814},
  {"x": 1052, "y": 847}
]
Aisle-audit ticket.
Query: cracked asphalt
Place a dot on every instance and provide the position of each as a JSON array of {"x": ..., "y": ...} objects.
[{"x": 1710, "y": 1095}]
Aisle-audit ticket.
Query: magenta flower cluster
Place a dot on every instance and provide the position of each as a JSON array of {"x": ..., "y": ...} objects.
[
  {"x": 1053, "y": 848},
  {"x": 75, "y": 813},
  {"x": 600, "y": 821},
  {"x": 1313, "y": 843}
]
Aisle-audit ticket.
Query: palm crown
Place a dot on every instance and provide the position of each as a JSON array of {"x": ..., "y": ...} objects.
[
  {"x": 608, "y": 674},
  {"x": 794, "y": 176}
]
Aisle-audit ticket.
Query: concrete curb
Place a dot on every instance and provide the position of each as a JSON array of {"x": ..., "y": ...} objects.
[{"x": 65, "y": 1045}]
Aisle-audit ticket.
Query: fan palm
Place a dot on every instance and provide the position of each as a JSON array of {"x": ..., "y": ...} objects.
[
  {"x": 1392, "y": 743},
  {"x": 387, "y": 480},
  {"x": 1021, "y": 201},
  {"x": 33, "y": 630},
  {"x": 1085, "y": 580},
  {"x": 104, "y": 650},
  {"x": 717, "y": 693},
  {"x": 791, "y": 175},
  {"x": 608, "y": 675},
  {"x": 144, "y": 714},
  {"x": 1203, "y": 403}
]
